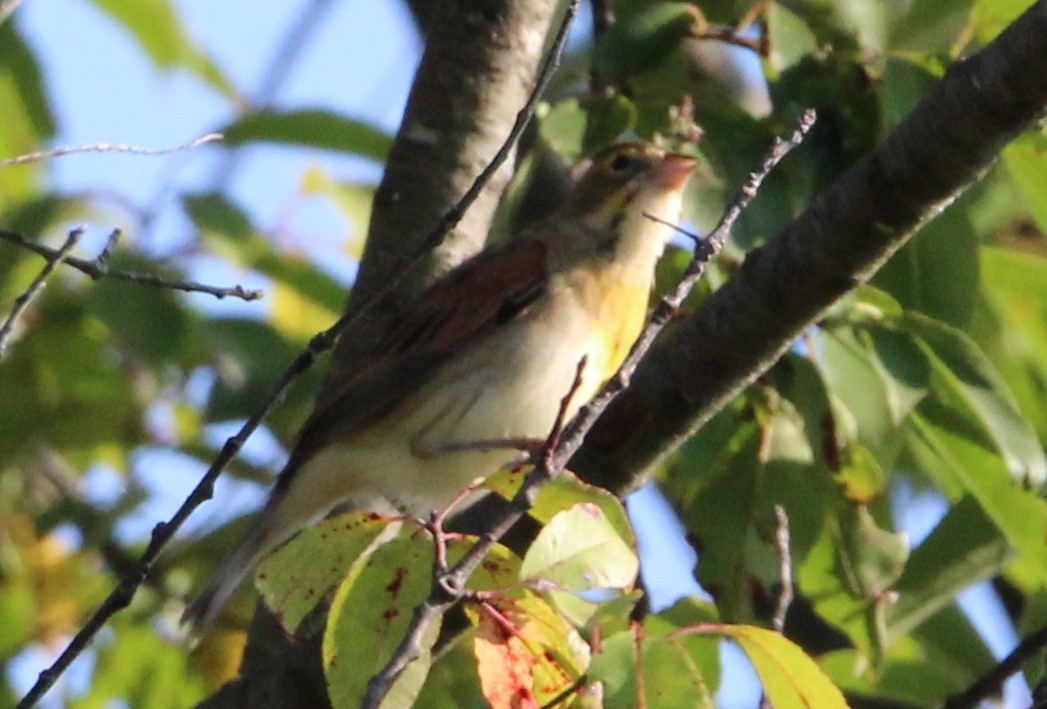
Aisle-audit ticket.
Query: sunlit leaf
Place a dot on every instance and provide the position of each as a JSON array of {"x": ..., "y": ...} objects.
[
  {"x": 372, "y": 609},
  {"x": 295, "y": 578}
]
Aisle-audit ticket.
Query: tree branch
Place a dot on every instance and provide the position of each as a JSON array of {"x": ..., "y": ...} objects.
[
  {"x": 946, "y": 144},
  {"x": 480, "y": 64},
  {"x": 25, "y": 299},
  {"x": 993, "y": 680}
]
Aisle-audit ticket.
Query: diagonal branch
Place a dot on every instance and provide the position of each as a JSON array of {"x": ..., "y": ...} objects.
[
  {"x": 99, "y": 268},
  {"x": 945, "y": 145},
  {"x": 25, "y": 299}
]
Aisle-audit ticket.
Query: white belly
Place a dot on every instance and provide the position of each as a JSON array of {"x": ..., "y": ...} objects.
[{"x": 510, "y": 386}]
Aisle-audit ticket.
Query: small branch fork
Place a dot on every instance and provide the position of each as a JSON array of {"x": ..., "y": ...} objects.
[
  {"x": 162, "y": 533},
  {"x": 448, "y": 587},
  {"x": 99, "y": 268},
  {"x": 23, "y": 301}
]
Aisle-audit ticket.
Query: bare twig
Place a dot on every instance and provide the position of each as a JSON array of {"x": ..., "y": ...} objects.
[
  {"x": 99, "y": 268},
  {"x": 37, "y": 286},
  {"x": 992, "y": 681},
  {"x": 108, "y": 148},
  {"x": 121, "y": 596},
  {"x": 785, "y": 567},
  {"x": 448, "y": 589}
]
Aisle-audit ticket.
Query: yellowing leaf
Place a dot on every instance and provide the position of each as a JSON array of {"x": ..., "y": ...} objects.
[
  {"x": 295, "y": 315},
  {"x": 790, "y": 678},
  {"x": 504, "y": 665}
]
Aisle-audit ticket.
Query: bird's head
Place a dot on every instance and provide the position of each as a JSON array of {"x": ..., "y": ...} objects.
[{"x": 629, "y": 178}]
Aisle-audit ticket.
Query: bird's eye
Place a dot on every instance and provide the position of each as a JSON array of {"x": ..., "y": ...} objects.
[{"x": 621, "y": 162}]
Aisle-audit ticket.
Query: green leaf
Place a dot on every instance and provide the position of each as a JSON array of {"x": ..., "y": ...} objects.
[
  {"x": 1021, "y": 515},
  {"x": 879, "y": 376},
  {"x": 642, "y": 41},
  {"x": 831, "y": 578},
  {"x": 717, "y": 506},
  {"x": 670, "y": 671},
  {"x": 874, "y": 558},
  {"x": 1023, "y": 158},
  {"x": 65, "y": 373},
  {"x": 155, "y": 25},
  {"x": 576, "y": 127},
  {"x": 931, "y": 25},
  {"x": 933, "y": 274},
  {"x": 908, "y": 678},
  {"x": 312, "y": 128},
  {"x": 370, "y": 614},
  {"x": 963, "y": 549},
  {"x": 967, "y": 384},
  {"x": 1015, "y": 271},
  {"x": 789, "y": 37},
  {"x": 228, "y": 231},
  {"x": 790, "y": 678},
  {"x": 1011, "y": 330},
  {"x": 299, "y": 575},
  {"x": 153, "y": 323},
  {"x": 140, "y": 668},
  {"x": 27, "y": 121},
  {"x": 565, "y": 492},
  {"x": 17, "y": 608},
  {"x": 578, "y": 550},
  {"x": 990, "y": 17}
]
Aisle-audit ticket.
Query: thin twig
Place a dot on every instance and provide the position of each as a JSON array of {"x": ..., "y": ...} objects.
[
  {"x": 108, "y": 148},
  {"x": 447, "y": 590},
  {"x": 99, "y": 268},
  {"x": 785, "y": 568},
  {"x": 991, "y": 682},
  {"x": 121, "y": 596},
  {"x": 23, "y": 301}
]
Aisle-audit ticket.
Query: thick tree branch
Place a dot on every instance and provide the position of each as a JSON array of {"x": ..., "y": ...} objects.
[
  {"x": 480, "y": 63},
  {"x": 946, "y": 144}
]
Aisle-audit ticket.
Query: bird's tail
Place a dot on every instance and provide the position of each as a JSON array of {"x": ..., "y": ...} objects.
[{"x": 261, "y": 538}]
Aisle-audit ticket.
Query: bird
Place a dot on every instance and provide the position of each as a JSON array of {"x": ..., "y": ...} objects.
[{"x": 484, "y": 357}]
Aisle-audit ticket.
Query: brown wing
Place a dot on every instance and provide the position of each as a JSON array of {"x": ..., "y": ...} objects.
[{"x": 486, "y": 292}]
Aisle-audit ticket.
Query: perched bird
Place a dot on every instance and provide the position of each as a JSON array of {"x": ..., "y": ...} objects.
[{"x": 484, "y": 356}]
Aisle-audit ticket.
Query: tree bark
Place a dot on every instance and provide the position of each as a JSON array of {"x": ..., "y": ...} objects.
[{"x": 479, "y": 68}]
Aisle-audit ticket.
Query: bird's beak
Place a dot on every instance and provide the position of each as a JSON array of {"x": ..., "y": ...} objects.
[{"x": 674, "y": 170}]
